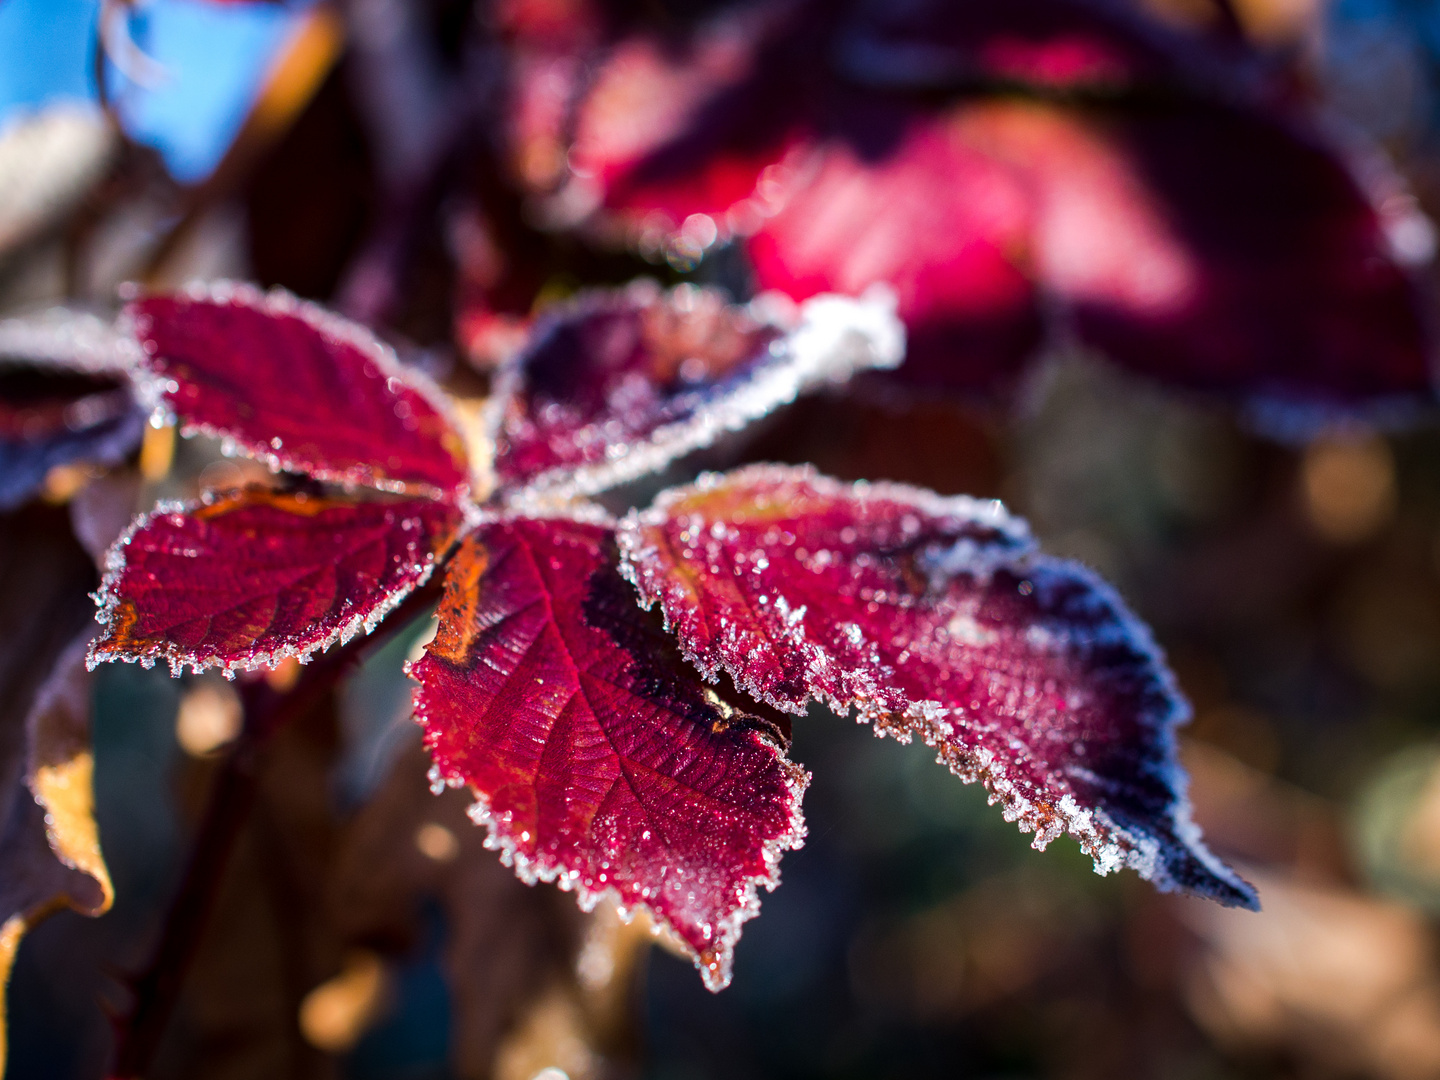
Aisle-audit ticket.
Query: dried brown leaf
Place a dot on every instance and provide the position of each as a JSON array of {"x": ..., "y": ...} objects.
[{"x": 49, "y": 846}]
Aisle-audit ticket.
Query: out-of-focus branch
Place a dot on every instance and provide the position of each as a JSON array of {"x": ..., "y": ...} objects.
[
  {"x": 232, "y": 796},
  {"x": 419, "y": 118},
  {"x": 298, "y": 73}
]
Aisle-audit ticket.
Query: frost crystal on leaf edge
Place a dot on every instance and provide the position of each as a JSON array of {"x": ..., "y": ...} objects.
[
  {"x": 1141, "y": 853},
  {"x": 716, "y": 971},
  {"x": 833, "y": 338},
  {"x": 107, "y": 601},
  {"x": 153, "y": 387}
]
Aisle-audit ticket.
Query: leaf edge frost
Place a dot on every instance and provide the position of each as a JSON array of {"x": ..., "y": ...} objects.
[
  {"x": 1188, "y": 865},
  {"x": 715, "y": 963}
]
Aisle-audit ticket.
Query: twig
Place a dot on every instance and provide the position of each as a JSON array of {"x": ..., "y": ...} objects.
[{"x": 232, "y": 795}]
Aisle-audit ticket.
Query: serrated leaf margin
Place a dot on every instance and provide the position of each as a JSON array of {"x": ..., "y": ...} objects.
[
  {"x": 716, "y": 966},
  {"x": 107, "y": 601},
  {"x": 1087, "y": 827},
  {"x": 834, "y": 338},
  {"x": 279, "y": 301}
]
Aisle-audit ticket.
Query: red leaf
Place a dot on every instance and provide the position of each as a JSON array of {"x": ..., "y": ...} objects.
[
  {"x": 939, "y": 219},
  {"x": 1271, "y": 276},
  {"x": 737, "y": 91},
  {"x": 1298, "y": 296},
  {"x": 936, "y": 617},
  {"x": 245, "y": 579},
  {"x": 616, "y": 384},
  {"x": 599, "y": 760},
  {"x": 1185, "y": 223},
  {"x": 299, "y": 388},
  {"x": 636, "y": 96}
]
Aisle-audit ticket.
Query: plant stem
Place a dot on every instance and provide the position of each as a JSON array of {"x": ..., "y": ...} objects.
[{"x": 232, "y": 796}]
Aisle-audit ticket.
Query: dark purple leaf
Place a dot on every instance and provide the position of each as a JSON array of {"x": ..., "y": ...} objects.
[
  {"x": 616, "y": 384},
  {"x": 1069, "y": 46},
  {"x": 244, "y": 579},
  {"x": 598, "y": 758},
  {"x": 1297, "y": 295},
  {"x": 936, "y": 617},
  {"x": 65, "y": 397},
  {"x": 301, "y": 389}
]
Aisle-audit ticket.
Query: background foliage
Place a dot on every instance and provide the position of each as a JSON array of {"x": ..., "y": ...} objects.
[{"x": 360, "y": 929}]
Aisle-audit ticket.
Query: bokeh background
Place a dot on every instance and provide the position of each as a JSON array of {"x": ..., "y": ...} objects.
[{"x": 362, "y": 931}]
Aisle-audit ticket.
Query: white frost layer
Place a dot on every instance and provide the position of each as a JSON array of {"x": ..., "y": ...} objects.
[{"x": 834, "y": 338}]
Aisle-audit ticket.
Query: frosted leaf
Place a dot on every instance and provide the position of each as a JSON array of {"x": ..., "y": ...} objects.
[
  {"x": 59, "y": 770},
  {"x": 936, "y": 617},
  {"x": 615, "y": 384},
  {"x": 299, "y": 388},
  {"x": 69, "y": 340},
  {"x": 599, "y": 760},
  {"x": 244, "y": 579}
]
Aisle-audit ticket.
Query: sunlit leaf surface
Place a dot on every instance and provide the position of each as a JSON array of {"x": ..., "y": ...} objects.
[
  {"x": 299, "y": 388},
  {"x": 936, "y": 617},
  {"x": 598, "y": 758},
  {"x": 245, "y": 579}
]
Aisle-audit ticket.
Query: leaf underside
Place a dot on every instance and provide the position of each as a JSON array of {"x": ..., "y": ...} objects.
[
  {"x": 936, "y": 617},
  {"x": 617, "y": 383},
  {"x": 245, "y": 579},
  {"x": 598, "y": 758},
  {"x": 51, "y": 417},
  {"x": 299, "y": 388}
]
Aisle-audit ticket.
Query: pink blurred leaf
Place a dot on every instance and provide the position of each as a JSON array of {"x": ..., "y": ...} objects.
[
  {"x": 598, "y": 758},
  {"x": 936, "y": 617},
  {"x": 615, "y": 384},
  {"x": 1182, "y": 216},
  {"x": 299, "y": 388},
  {"x": 245, "y": 579}
]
